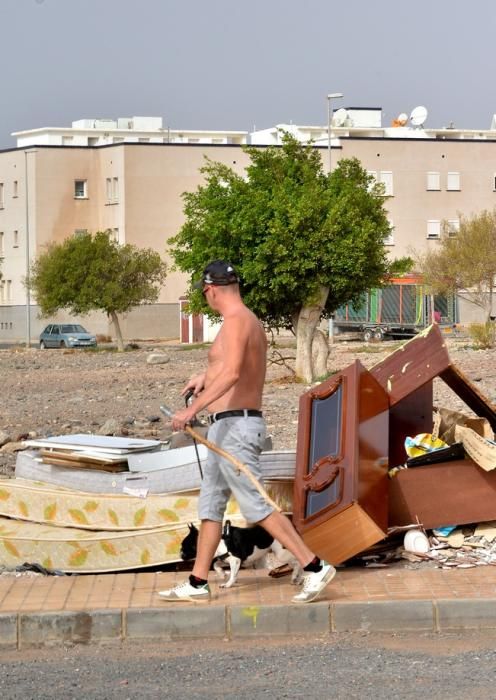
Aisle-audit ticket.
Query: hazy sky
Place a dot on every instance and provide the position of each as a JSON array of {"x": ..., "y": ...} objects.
[{"x": 216, "y": 64}]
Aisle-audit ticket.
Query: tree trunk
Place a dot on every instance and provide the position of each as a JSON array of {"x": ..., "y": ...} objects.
[
  {"x": 490, "y": 300},
  {"x": 117, "y": 328},
  {"x": 308, "y": 319},
  {"x": 320, "y": 353}
]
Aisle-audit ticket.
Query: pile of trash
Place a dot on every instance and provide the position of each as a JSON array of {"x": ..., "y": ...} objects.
[{"x": 449, "y": 547}]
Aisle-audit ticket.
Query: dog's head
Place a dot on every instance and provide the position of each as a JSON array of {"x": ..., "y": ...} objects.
[{"x": 189, "y": 543}]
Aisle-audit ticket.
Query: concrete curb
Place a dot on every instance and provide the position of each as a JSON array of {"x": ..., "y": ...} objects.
[{"x": 24, "y": 630}]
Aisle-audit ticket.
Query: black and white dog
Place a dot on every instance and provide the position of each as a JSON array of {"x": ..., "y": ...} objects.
[{"x": 241, "y": 545}]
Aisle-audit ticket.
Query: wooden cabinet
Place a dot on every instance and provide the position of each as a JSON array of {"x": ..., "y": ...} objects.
[{"x": 340, "y": 498}]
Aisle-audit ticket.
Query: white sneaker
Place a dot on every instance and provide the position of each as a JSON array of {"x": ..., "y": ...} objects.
[
  {"x": 185, "y": 591},
  {"x": 315, "y": 582}
]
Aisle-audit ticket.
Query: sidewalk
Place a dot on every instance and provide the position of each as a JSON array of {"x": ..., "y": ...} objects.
[{"x": 37, "y": 610}]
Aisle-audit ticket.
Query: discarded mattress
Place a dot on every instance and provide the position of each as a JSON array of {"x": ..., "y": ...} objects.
[
  {"x": 83, "y": 551},
  {"x": 182, "y": 476},
  {"x": 43, "y": 503}
]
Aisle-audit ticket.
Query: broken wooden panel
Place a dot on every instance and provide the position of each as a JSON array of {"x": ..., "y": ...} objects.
[
  {"x": 408, "y": 417},
  {"x": 449, "y": 493},
  {"x": 340, "y": 497},
  {"x": 468, "y": 393},
  {"x": 407, "y": 376},
  {"x": 413, "y": 365}
]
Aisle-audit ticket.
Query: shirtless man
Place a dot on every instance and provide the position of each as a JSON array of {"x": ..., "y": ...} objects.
[{"x": 231, "y": 389}]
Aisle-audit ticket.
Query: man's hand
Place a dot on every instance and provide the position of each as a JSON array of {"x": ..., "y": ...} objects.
[
  {"x": 182, "y": 418},
  {"x": 195, "y": 384}
]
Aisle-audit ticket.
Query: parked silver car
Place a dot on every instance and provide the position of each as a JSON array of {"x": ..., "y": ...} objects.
[{"x": 66, "y": 335}]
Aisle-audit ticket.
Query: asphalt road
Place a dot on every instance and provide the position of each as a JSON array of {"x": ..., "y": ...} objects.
[{"x": 388, "y": 667}]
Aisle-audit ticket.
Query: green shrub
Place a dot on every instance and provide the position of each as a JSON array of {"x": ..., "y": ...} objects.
[{"x": 483, "y": 334}]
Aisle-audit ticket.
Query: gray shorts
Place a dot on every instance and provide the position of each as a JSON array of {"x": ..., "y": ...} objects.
[{"x": 243, "y": 437}]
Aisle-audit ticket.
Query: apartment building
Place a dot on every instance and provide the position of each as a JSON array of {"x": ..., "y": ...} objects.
[{"x": 51, "y": 188}]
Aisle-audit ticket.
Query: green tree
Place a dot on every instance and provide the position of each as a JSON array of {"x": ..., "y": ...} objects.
[
  {"x": 92, "y": 272},
  {"x": 464, "y": 262},
  {"x": 303, "y": 242}
]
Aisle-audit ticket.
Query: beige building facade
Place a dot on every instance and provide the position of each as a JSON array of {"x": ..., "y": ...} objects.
[
  {"x": 133, "y": 190},
  {"x": 49, "y": 192}
]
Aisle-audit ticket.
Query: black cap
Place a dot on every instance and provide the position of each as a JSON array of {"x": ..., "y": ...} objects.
[{"x": 219, "y": 273}]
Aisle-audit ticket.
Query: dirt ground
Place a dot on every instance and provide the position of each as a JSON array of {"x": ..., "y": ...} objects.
[{"x": 55, "y": 392}]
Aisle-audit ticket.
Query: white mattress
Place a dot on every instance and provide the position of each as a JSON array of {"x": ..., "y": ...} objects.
[{"x": 177, "y": 474}]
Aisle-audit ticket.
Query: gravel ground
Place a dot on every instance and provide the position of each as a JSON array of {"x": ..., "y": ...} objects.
[
  {"x": 54, "y": 392},
  {"x": 408, "y": 666}
]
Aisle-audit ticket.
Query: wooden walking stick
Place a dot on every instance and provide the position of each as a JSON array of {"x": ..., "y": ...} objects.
[{"x": 230, "y": 458}]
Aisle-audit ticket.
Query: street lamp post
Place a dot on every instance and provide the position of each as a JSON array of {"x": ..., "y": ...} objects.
[
  {"x": 28, "y": 262},
  {"x": 330, "y": 97}
]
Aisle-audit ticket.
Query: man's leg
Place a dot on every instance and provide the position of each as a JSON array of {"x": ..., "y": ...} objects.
[
  {"x": 208, "y": 541},
  {"x": 214, "y": 493},
  {"x": 317, "y": 573},
  {"x": 282, "y": 530}
]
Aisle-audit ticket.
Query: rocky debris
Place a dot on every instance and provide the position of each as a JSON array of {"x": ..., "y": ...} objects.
[
  {"x": 157, "y": 359},
  {"x": 110, "y": 427},
  {"x": 4, "y": 438},
  {"x": 12, "y": 447}
]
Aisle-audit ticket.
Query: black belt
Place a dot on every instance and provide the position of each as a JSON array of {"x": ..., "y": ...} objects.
[{"x": 214, "y": 417}]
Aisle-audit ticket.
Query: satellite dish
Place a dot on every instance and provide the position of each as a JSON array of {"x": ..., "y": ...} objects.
[
  {"x": 418, "y": 116},
  {"x": 340, "y": 117},
  {"x": 402, "y": 119}
]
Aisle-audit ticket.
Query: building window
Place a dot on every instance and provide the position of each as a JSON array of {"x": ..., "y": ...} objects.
[
  {"x": 5, "y": 292},
  {"x": 433, "y": 181},
  {"x": 15, "y": 188},
  {"x": 112, "y": 189},
  {"x": 80, "y": 189},
  {"x": 372, "y": 173},
  {"x": 389, "y": 240},
  {"x": 453, "y": 182},
  {"x": 386, "y": 177},
  {"x": 143, "y": 139},
  {"x": 433, "y": 229},
  {"x": 1, "y": 243},
  {"x": 452, "y": 227},
  {"x": 16, "y": 239},
  {"x": 1, "y": 195},
  {"x": 80, "y": 232},
  {"x": 67, "y": 140}
]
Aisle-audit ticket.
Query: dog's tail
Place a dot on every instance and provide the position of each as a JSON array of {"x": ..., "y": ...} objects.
[{"x": 227, "y": 529}]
